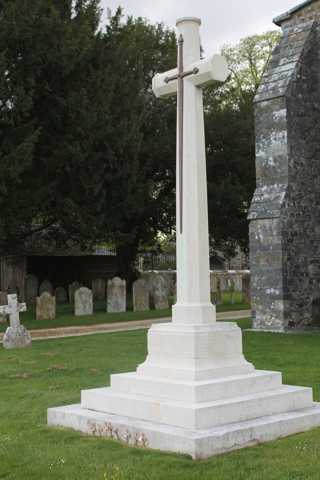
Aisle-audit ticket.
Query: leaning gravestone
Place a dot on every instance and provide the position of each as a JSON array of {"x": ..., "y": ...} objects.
[
  {"x": 141, "y": 300},
  {"x": 61, "y": 295},
  {"x": 46, "y": 286},
  {"x": 46, "y": 307},
  {"x": 83, "y": 304},
  {"x": 99, "y": 286},
  {"x": 16, "y": 336},
  {"x": 72, "y": 289},
  {"x": 32, "y": 287},
  {"x": 116, "y": 295},
  {"x": 160, "y": 293}
]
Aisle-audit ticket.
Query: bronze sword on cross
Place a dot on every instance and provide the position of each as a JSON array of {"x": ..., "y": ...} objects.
[{"x": 180, "y": 96}]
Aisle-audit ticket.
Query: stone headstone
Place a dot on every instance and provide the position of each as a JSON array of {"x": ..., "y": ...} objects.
[
  {"x": 83, "y": 304},
  {"x": 246, "y": 291},
  {"x": 174, "y": 296},
  {"x": 61, "y": 295},
  {"x": 116, "y": 295},
  {"x": 72, "y": 289},
  {"x": 213, "y": 281},
  {"x": 46, "y": 286},
  {"x": 141, "y": 300},
  {"x": 238, "y": 282},
  {"x": 99, "y": 286},
  {"x": 46, "y": 307},
  {"x": 31, "y": 289},
  {"x": 217, "y": 295},
  {"x": 160, "y": 293},
  {"x": 231, "y": 289}
]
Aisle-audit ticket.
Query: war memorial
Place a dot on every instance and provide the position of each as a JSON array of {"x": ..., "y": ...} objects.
[{"x": 196, "y": 393}]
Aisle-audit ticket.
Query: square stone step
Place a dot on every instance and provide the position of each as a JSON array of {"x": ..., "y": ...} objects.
[
  {"x": 197, "y": 415},
  {"x": 199, "y": 444},
  {"x": 193, "y": 392}
]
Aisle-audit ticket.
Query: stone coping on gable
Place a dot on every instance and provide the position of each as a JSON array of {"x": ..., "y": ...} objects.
[{"x": 287, "y": 15}]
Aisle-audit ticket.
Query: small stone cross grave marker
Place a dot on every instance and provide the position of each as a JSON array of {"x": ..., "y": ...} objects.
[{"x": 16, "y": 335}]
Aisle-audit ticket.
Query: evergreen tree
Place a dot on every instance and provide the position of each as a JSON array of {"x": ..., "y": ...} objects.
[{"x": 93, "y": 150}]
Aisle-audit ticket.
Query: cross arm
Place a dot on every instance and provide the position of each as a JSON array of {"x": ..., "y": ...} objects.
[
  {"x": 161, "y": 88},
  {"x": 214, "y": 69},
  {"x": 5, "y": 310},
  {"x": 22, "y": 307}
]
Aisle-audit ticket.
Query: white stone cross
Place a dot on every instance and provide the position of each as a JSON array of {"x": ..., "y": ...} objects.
[
  {"x": 193, "y": 270},
  {"x": 13, "y": 309}
]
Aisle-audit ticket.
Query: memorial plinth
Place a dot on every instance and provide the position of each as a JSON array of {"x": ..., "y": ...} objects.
[{"x": 195, "y": 394}]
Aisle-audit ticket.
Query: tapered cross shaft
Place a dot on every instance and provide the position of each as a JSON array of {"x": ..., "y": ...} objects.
[
  {"x": 180, "y": 95},
  {"x": 187, "y": 81}
]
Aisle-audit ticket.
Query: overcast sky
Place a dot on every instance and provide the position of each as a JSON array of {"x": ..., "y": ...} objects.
[{"x": 223, "y": 21}]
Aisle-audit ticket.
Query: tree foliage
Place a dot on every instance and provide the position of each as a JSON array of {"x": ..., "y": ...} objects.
[
  {"x": 87, "y": 153},
  {"x": 85, "y": 149}
]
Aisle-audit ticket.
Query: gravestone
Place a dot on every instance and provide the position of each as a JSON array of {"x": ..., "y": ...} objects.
[
  {"x": 231, "y": 289},
  {"x": 217, "y": 295},
  {"x": 46, "y": 286},
  {"x": 141, "y": 300},
  {"x": 31, "y": 289},
  {"x": 238, "y": 282},
  {"x": 16, "y": 336},
  {"x": 46, "y": 307},
  {"x": 72, "y": 289},
  {"x": 246, "y": 291},
  {"x": 160, "y": 293},
  {"x": 3, "y": 301},
  {"x": 83, "y": 304},
  {"x": 174, "y": 296},
  {"x": 285, "y": 210},
  {"x": 99, "y": 286},
  {"x": 61, "y": 295},
  {"x": 195, "y": 393},
  {"x": 116, "y": 295}
]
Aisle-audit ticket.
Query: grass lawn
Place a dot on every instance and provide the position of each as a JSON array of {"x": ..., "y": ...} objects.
[
  {"x": 66, "y": 318},
  {"x": 53, "y": 372}
]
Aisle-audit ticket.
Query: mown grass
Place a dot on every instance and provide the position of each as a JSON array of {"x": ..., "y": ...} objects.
[
  {"x": 53, "y": 372},
  {"x": 66, "y": 318}
]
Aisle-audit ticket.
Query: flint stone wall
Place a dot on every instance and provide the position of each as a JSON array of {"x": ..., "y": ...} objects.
[{"x": 285, "y": 211}]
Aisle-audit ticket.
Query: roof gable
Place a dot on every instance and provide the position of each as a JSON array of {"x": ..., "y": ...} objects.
[{"x": 287, "y": 15}]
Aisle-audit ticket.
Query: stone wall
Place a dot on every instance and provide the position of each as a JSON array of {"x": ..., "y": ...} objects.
[
  {"x": 285, "y": 211},
  {"x": 224, "y": 277}
]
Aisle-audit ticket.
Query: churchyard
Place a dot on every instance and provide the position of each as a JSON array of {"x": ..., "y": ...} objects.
[
  {"x": 198, "y": 395},
  {"x": 51, "y": 372},
  {"x": 65, "y": 314}
]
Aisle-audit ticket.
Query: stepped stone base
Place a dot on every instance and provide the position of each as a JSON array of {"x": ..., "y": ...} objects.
[
  {"x": 199, "y": 444},
  {"x": 195, "y": 394}
]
